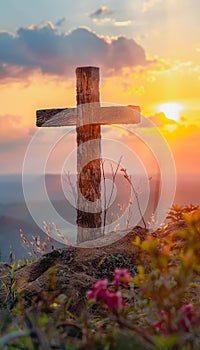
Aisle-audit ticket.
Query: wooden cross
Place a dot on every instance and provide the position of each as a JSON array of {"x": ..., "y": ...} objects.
[{"x": 88, "y": 117}]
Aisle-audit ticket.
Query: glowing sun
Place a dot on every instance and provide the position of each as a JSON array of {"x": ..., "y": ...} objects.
[{"x": 171, "y": 109}]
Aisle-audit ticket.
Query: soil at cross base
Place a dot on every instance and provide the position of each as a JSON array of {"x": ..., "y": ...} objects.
[{"x": 73, "y": 270}]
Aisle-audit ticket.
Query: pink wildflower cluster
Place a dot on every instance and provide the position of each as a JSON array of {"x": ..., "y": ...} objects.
[
  {"x": 123, "y": 276},
  {"x": 162, "y": 319},
  {"x": 188, "y": 316},
  {"x": 112, "y": 298}
]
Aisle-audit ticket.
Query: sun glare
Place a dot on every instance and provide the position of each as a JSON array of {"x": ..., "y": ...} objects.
[{"x": 171, "y": 109}]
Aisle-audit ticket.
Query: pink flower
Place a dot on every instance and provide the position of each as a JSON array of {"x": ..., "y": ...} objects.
[
  {"x": 114, "y": 300},
  {"x": 99, "y": 290},
  {"x": 188, "y": 316},
  {"x": 162, "y": 313},
  {"x": 162, "y": 318},
  {"x": 121, "y": 275},
  {"x": 187, "y": 308},
  {"x": 158, "y": 324}
]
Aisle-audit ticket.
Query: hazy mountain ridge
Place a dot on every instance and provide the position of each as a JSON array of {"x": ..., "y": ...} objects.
[{"x": 14, "y": 214}]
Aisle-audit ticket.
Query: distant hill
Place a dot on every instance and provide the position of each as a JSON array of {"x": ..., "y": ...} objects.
[
  {"x": 11, "y": 189},
  {"x": 14, "y": 214}
]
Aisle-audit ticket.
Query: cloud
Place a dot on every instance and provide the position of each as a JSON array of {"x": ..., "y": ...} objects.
[
  {"x": 60, "y": 22},
  {"x": 112, "y": 21},
  {"x": 13, "y": 135},
  {"x": 10, "y": 121},
  {"x": 122, "y": 23},
  {"x": 50, "y": 25},
  {"x": 12, "y": 145},
  {"x": 149, "y": 4},
  {"x": 103, "y": 10},
  {"x": 160, "y": 120},
  {"x": 14, "y": 140},
  {"x": 100, "y": 17},
  {"x": 56, "y": 53}
]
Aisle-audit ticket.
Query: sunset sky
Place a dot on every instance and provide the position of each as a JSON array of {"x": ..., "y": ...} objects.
[{"x": 148, "y": 52}]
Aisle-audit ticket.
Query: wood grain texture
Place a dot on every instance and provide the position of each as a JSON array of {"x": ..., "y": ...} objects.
[
  {"x": 88, "y": 155},
  {"x": 93, "y": 115},
  {"x": 88, "y": 117},
  {"x": 56, "y": 117}
]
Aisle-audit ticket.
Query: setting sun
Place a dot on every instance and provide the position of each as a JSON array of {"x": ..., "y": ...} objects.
[{"x": 171, "y": 109}]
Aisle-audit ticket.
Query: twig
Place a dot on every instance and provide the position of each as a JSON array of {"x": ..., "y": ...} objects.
[
  {"x": 36, "y": 335},
  {"x": 73, "y": 192},
  {"x": 68, "y": 324},
  {"x": 114, "y": 174},
  {"x": 124, "y": 323},
  {"x": 61, "y": 236},
  {"x": 128, "y": 178},
  {"x": 104, "y": 185},
  {"x": 129, "y": 215},
  {"x": 138, "y": 204},
  {"x": 4, "y": 340}
]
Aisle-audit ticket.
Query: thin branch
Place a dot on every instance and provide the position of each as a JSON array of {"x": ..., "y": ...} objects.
[
  {"x": 61, "y": 236},
  {"x": 73, "y": 192},
  {"x": 68, "y": 324},
  {"x": 36, "y": 335},
  {"x": 4, "y": 340},
  {"x": 114, "y": 174},
  {"x": 129, "y": 214},
  {"x": 138, "y": 204},
  {"x": 141, "y": 333},
  {"x": 128, "y": 178},
  {"x": 106, "y": 205}
]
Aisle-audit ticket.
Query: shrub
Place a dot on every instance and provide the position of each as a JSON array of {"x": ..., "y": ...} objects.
[{"x": 156, "y": 308}]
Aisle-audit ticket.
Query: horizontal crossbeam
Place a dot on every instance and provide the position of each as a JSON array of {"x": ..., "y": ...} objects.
[{"x": 98, "y": 115}]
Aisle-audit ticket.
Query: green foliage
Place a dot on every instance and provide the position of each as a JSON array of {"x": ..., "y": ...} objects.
[
  {"x": 158, "y": 311},
  {"x": 10, "y": 287}
]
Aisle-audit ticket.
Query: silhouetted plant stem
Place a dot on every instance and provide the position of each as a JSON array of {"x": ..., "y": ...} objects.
[
  {"x": 140, "y": 332},
  {"x": 114, "y": 174},
  {"x": 128, "y": 178}
]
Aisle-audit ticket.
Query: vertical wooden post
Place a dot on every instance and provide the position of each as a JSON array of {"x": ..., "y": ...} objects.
[
  {"x": 88, "y": 157},
  {"x": 88, "y": 117}
]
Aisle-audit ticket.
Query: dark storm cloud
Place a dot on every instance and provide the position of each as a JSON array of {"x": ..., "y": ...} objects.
[{"x": 58, "y": 53}]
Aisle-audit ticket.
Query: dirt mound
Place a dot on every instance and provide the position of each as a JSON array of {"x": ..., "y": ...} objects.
[{"x": 73, "y": 270}]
